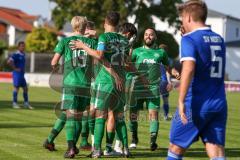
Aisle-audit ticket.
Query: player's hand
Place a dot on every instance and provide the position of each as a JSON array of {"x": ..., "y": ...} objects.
[
  {"x": 176, "y": 74},
  {"x": 76, "y": 44},
  {"x": 169, "y": 87},
  {"x": 89, "y": 33},
  {"x": 118, "y": 82},
  {"x": 181, "y": 108}
]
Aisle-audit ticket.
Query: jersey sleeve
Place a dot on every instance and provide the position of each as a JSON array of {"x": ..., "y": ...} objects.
[
  {"x": 101, "y": 46},
  {"x": 60, "y": 47},
  {"x": 187, "y": 50},
  {"x": 13, "y": 57},
  {"x": 165, "y": 60}
]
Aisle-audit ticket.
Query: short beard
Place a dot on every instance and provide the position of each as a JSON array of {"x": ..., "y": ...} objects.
[{"x": 149, "y": 44}]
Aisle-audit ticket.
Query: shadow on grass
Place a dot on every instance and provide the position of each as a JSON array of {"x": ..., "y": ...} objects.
[
  {"x": 17, "y": 125},
  {"x": 36, "y": 105},
  {"x": 193, "y": 152}
]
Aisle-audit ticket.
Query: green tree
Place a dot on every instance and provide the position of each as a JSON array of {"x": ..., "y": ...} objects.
[
  {"x": 95, "y": 10},
  {"x": 41, "y": 40}
]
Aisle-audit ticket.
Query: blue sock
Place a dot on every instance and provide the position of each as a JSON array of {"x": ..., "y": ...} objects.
[
  {"x": 218, "y": 158},
  {"x": 25, "y": 96},
  {"x": 15, "y": 95},
  {"x": 173, "y": 156},
  {"x": 166, "y": 109}
]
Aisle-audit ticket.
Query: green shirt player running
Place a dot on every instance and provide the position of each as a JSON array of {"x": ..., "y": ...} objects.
[
  {"x": 108, "y": 88},
  {"x": 76, "y": 81},
  {"x": 145, "y": 84}
]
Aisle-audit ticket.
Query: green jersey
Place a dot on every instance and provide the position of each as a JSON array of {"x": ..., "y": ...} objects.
[
  {"x": 147, "y": 63},
  {"x": 115, "y": 48},
  {"x": 77, "y": 64}
]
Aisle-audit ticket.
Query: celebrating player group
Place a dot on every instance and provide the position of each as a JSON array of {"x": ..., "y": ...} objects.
[{"x": 104, "y": 77}]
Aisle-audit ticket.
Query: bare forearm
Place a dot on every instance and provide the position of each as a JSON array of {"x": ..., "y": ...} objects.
[
  {"x": 186, "y": 78},
  {"x": 92, "y": 52}
]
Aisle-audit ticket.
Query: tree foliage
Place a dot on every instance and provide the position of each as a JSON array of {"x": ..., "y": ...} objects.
[
  {"x": 95, "y": 10},
  {"x": 41, "y": 40}
]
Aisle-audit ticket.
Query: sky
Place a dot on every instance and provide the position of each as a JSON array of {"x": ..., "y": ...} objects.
[{"x": 43, "y": 7}]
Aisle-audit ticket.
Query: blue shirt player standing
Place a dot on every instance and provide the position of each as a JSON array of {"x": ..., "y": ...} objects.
[
  {"x": 17, "y": 62},
  {"x": 202, "y": 105}
]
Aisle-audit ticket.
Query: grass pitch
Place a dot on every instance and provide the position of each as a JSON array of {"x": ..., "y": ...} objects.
[{"x": 22, "y": 131}]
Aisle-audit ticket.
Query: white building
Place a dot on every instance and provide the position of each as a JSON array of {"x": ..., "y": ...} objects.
[{"x": 229, "y": 28}]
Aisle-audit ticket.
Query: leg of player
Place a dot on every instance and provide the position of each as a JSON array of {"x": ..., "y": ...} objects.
[
  {"x": 175, "y": 152},
  {"x": 215, "y": 152},
  {"x": 91, "y": 122},
  {"x": 121, "y": 129},
  {"x": 57, "y": 128},
  {"x": 165, "y": 106},
  {"x": 133, "y": 126},
  {"x": 154, "y": 127},
  {"x": 110, "y": 135},
  {"x": 101, "y": 116},
  {"x": 73, "y": 128},
  {"x": 15, "y": 96},
  {"x": 25, "y": 97},
  {"x": 85, "y": 131}
]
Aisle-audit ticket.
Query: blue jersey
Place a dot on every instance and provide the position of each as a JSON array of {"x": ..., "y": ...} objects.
[
  {"x": 207, "y": 49},
  {"x": 18, "y": 59}
]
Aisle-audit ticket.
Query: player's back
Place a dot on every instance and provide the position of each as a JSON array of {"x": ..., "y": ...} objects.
[{"x": 207, "y": 49}]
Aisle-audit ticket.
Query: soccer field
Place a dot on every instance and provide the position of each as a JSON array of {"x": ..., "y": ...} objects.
[{"x": 22, "y": 131}]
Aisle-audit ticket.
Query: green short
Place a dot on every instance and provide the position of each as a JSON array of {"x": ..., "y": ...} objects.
[
  {"x": 106, "y": 96},
  {"x": 73, "y": 101},
  {"x": 151, "y": 104}
]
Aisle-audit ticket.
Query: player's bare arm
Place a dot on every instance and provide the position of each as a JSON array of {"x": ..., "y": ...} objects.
[
  {"x": 11, "y": 64},
  {"x": 173, "y": 72},
  {"x": 55, "y": 60},
  {"x": 188, "y": 68}
]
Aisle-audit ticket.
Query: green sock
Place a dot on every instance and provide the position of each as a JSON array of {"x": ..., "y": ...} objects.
[
  {"x": 133, "y": 126},
  {"x": 91, "y": 123},
  {"x": 78, "y": 128},
  {"x": 85, "y": 130},
  {"x": 57, "y": 128},
  {"x": 109, "y": 140},
  {"x": 121, "y": 129},
  {"x": 99, "y": 132},
  {"x": 116, "y": 136},
  {"x": 154, "y": 126},
  {"x": 70, "y": 132}
]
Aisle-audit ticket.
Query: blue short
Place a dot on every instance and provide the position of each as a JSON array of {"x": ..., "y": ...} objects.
[
  {"x": 209, "y": 126},
  {"x": 163, "y": 89},
  {"x": 19, "y": 80}
]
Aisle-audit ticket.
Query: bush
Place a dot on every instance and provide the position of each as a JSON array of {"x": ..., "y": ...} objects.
[
  {"x": 41, "y": 40},
  {"x": 3, "y": 46}
]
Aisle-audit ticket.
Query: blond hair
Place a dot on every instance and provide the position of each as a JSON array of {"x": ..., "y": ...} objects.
[
  {"x": 79, "y": 23},
  {"x": 197, "y": 8}
]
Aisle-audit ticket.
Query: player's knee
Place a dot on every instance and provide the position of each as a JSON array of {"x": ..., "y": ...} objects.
[
  {"x": 133, "y": 116},
  {"x": 176, "y": 149},
  {"x": 153, "y": 115},
  {"x": 101, "y": 114}
]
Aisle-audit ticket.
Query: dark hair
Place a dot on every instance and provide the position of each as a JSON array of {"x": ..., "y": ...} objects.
[
  {"x": 20, "y": 43},
  {"x": 128, "y": 27},
  {"x": 90, "y": 25},
  {"x": 197, "y": 8},
  {"x": 113, "y": 18}
]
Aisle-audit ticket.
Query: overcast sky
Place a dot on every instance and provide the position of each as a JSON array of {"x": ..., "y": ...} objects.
[{"x": 43, "y": 7}]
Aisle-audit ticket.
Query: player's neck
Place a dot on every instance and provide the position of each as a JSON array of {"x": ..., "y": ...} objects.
[
  {"x": 149, "y": 47},
  {"x": 196, "y": 26},
  {"x": 77, "y": 33},
  {"x": 110, "y": 29}
]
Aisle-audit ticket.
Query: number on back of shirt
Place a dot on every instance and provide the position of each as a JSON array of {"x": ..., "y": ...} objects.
[
  {"x": 79, "y": 58},
  {"x": 217, "y": 62}
]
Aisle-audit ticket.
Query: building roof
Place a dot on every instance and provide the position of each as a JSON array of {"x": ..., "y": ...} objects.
[
  {"x": 213, "y": 13},
  {"x": 21, "y": 20}
]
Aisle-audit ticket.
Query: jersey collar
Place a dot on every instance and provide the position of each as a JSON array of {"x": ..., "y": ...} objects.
[{"x": 198, "y": 29}]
